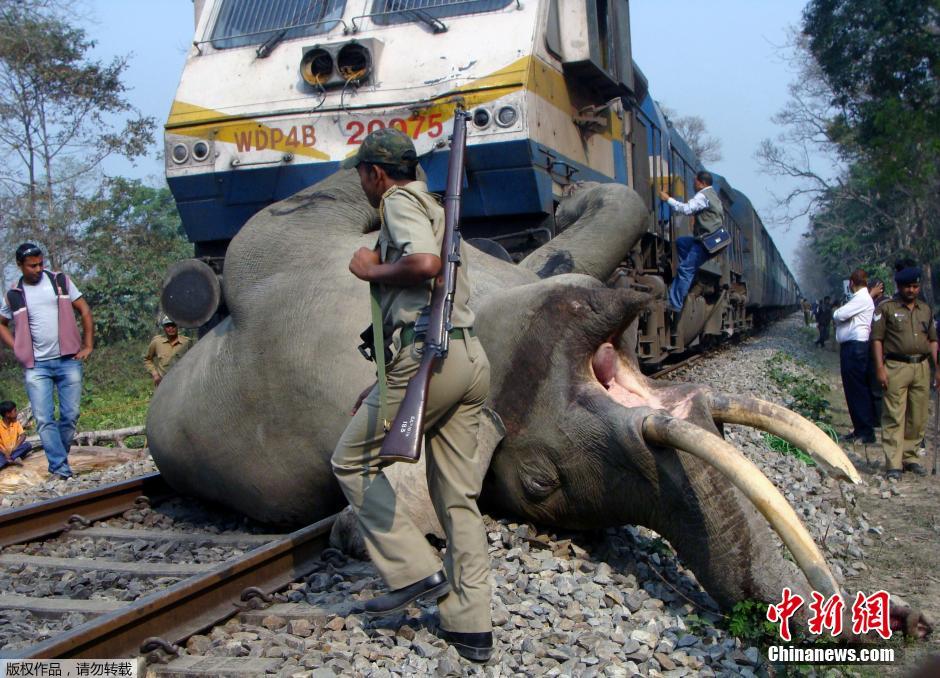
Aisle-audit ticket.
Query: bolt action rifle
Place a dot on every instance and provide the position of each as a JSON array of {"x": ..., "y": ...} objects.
[{"x": 403, "y": 440}]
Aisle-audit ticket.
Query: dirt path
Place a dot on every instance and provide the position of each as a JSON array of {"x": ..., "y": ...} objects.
[{"x": 905, "y": 560}]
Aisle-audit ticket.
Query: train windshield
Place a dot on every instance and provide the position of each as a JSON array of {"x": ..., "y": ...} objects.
[
  {"x": 403, "y": 11},
  {"x": 248, "y": 22}
]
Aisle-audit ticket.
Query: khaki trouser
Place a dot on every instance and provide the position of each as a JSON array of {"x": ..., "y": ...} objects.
[
  {"x": 904, "y": 417},
  {"x": 400, "y": 551}
]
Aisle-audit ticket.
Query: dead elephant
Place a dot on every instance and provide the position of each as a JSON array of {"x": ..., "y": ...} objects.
[{"x": 250, "y": 416}]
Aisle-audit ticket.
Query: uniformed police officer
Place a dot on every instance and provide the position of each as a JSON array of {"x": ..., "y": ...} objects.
[
  {"x": 404, "y": 263},
  {"x": 166, "y": 350},
  {"x": 904, "y": 348}
]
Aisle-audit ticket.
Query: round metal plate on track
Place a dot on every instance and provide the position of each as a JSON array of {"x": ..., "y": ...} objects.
[{"x": 191, "y": 293}]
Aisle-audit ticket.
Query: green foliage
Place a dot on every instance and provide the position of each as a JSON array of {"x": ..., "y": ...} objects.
[
  {"x": 879, "y": 60},
  {"x": 131, "y": 241},
  {"x": 807, "y": 393},
  {"x": 61, "y": 114},
  {"x": 748, "y": 621},
  {"x": 116, "y": 389},
  {"x": 781, "y": 445}
]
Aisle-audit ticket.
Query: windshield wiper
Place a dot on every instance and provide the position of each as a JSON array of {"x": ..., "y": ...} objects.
[
  {"x": 266, "y": 47},
  {"x": 436, "y": 25}
]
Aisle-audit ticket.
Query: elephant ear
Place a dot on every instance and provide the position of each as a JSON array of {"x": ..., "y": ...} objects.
[{"x": 598, "y": 225}]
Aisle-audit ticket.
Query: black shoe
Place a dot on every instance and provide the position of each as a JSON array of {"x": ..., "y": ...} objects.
[
  {"x": 434, "y": 586},
  {"x": 477, "y": 647},
  {"x": 849, "y": 437},
  {"x": 893, "y": 474},
  {"x": 915, "y": 468},
  {"x": 870, "y": 440}
]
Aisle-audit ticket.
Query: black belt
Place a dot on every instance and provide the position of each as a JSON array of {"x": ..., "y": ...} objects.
[
  {"x": 904, "y": 358},
  {"x": 408, "y": 335}
]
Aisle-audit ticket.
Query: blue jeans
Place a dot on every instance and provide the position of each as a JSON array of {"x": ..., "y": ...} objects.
[
  {"x": 692, "y": 254},
  {"x": 65, "y": 376},
  {"x": 19, "y": 452}
]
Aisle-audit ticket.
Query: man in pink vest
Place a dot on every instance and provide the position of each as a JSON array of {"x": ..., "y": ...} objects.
[{"x": 46, "y": 341}]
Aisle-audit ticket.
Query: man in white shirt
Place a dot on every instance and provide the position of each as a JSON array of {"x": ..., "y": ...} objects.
[
  {"x": 706, "y": 209},
  {"x": 45, "y": 339},
  {"x": 853, "y": 328}
]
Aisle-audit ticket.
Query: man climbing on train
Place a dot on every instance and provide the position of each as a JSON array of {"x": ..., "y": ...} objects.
[{"x": 706, "y": 210}]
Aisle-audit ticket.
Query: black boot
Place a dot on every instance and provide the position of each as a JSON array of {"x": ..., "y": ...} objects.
[
  {"x": 434, "y": 586},
  {"x": 477, "y": 647}
]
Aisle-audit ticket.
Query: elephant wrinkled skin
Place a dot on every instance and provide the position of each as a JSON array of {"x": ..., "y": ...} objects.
[{"x": 250, "y": 416}]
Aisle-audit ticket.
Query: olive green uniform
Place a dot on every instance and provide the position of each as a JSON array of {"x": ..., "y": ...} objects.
[
  {"x": 162, "y": 354},
  {"x": 413, "y": 223},
  {"x": 906, "y": 336}
]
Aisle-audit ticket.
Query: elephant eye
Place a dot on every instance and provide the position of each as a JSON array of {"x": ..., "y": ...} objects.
[{"x": 538, "y": 483}]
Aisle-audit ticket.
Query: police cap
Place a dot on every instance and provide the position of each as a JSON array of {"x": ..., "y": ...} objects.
[{"x": 384, "y": 147}]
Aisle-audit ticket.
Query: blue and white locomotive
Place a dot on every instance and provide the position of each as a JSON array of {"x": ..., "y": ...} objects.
[{"x": 275, "y": 93}]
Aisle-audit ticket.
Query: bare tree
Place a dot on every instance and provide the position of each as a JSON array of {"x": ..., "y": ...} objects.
[
  {"x": 57, "y": 113},
  {"x": 693, "y": 130},
  {"x": 856, "y": 216}
]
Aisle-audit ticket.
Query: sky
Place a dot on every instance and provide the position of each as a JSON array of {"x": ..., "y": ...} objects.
[{"x": 720, "y": 60}]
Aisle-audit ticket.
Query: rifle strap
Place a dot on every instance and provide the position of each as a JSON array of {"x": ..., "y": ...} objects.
[{"x": 378, "y": 335}]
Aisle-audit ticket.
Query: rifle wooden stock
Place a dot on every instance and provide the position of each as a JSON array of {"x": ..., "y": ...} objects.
[{"x": 403, "y": 440}]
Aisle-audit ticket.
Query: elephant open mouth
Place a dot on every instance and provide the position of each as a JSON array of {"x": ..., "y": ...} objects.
[{"x": 668, "y": 427}]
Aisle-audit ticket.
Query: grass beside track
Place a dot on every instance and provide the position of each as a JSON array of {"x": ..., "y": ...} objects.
[{"x": 116, "y": 389}]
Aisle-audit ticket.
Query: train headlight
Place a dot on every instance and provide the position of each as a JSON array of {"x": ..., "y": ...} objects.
[
  {"x": 316, "y": 67},
  {"x": 354, "y": 62},
  {"x": 180, "y": 153},
  {"x": 507, "y": 116},
  {"x": 200, "y": 151},
  {"x": 481, "y": 118}
]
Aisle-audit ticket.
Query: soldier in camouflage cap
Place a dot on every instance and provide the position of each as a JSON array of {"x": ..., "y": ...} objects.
[
  {"x": 401, "y": 268},
  {"x": 384, "y": 147}
]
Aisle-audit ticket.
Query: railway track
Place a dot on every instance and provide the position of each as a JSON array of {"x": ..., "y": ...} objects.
[
  {"x": 672, "y": 368},
  {"x": 155, "y": 586}
]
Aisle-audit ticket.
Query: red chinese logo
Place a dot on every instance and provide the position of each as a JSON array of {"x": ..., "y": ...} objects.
[
  {"x": 827, "y": 614},
  {"x": 869, "y": 613},
  {"x": 872, "y": 614},
  {"x": 780, "y": 614}
]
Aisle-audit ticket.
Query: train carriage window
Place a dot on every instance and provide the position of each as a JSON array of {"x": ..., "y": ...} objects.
[
  {"x": 248, "y": 22},
  {"x": 405, "y": 11}
]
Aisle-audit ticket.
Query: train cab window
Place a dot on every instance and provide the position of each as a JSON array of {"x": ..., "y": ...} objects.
[
  {"x": 407, "y": 11},
  {"x": 247, "y": 22}
]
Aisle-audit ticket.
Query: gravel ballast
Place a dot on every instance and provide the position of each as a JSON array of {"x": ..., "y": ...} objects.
[{"x": 611, "y": 603}]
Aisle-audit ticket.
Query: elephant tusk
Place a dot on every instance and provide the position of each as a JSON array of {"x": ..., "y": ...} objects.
[
  {"x": 668, "y": 431},
  {"x": 785, "y": 424}
]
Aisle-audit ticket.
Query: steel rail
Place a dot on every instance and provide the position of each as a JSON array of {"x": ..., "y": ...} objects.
[
  {"x": 52, "y": 516},
  {"x": 672, "y": 368},
  {"x": 191, "y": 605}
]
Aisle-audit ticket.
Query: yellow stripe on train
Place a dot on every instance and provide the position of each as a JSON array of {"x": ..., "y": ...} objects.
[{"x": 528, "y": 74}]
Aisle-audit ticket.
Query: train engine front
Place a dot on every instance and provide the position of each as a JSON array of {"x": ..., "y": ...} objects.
[{"x": 275, "y": 94}]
